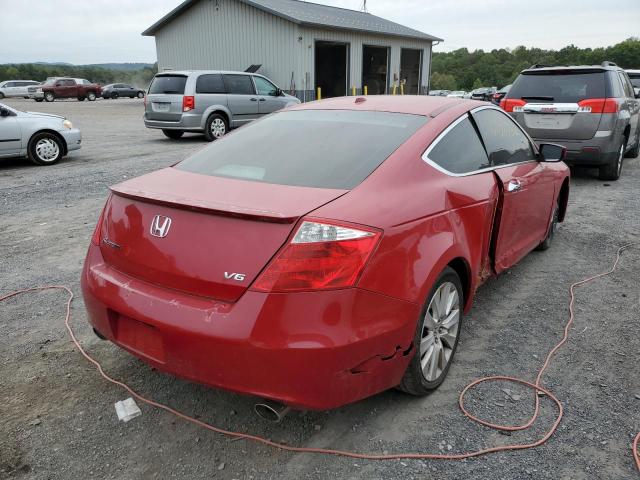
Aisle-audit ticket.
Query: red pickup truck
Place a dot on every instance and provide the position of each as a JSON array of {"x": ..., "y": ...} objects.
[{"x": 68, "y": 88}]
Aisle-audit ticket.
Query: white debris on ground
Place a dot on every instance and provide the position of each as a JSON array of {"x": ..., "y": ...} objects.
[{"x": 127, "y": 409}]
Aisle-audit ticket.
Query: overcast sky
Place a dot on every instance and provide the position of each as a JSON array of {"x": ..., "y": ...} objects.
[{"x": 99, "y": 31}]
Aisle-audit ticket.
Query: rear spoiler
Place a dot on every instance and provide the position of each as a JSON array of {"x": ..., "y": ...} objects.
[{"x": 216, "y": 208}]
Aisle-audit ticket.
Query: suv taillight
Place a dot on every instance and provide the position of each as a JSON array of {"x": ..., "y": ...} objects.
[
  {"x": 320, "y": 256},
  {"x": 512, "y": 104},
  {"x": 188, "y": 103},
  {"x": 598, "y": 105}
]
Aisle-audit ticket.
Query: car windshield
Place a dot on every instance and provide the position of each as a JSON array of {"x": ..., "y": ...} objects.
[
  {"x": 563, "y": 86},
  {"x": 51, "y": 81},
  {"x": 168, "y": 84},
  {"x": 309, "y": 148}
]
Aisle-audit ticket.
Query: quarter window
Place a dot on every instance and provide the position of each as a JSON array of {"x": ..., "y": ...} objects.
[
  {"x": 265, "y": 87},
  {"x": 460, "y": 150},
  {"x": 238, "y": 84},
  {"x": 504, "y": 141},
  {"x": 210, "y": 83}
]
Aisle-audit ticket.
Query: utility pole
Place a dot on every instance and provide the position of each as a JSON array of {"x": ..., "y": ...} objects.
[{"x": 364, "y": 7}]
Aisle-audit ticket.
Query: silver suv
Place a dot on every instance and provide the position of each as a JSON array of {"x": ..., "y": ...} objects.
[
  {"x": 210, "y": 102},
  {"x": 592, "y": 110}
]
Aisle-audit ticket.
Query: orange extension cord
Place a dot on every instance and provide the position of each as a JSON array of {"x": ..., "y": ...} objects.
[{"x": 536, "y": 387}]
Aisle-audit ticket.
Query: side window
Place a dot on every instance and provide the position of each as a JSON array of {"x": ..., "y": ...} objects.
[
  {"x": 628, "y": 88},
  {"x": 238, "y": 84},
  {"x": 617, "y": 90},
  {"x": 69, "y": 83},
  {"x": 504, "y": 141},
  {"x": 265, "y": 87},
  {"x": 460, "y": 150},
  {"x": 210, "y": 83}
]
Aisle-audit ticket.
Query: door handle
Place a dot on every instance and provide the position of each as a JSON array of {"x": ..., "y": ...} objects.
[
  {"x": 514, "y": 186},
  {"x": 253, "y": 99},
  {"x": 263, "y": 99}
]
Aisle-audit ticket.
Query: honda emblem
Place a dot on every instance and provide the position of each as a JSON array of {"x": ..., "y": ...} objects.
[{"x": 160, "y": 226}]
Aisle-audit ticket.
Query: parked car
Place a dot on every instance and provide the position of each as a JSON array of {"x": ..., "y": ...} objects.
[
  {"x": 457, "y": 94},
  {"x": 439, "y": 93},
  {"x": 484, "y": 94},
  {"x": 266, "y": 263},
  {"x": 63, "y": 87},
  {"x": 42, "y": 137},
  {"x": 116, "y": 90},
  {"x": 592, "y": 110},
  {"x": 210, "y": 102},
  {"x": 634, "y": 76},
  {"x": 16, "y": 88},
  {"x": 499, "y": 95}
]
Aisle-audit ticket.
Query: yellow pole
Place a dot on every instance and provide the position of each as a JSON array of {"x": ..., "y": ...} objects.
[
  {"x": 353, "y": 90},
  {"x": 393, "y": 92},
  {"x": 402, "y": 89},
  {"x": 319, "y": 95},
  {"x": 366, "y": 91}
]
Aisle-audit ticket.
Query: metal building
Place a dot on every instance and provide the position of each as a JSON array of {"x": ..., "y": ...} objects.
[{"x": 299, "y": 45}]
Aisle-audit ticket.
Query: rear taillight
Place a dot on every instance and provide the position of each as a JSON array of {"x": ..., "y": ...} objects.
[
  {"x": 188, "y": 103},
  {"x": 512, "y": 104},
  {"x": 598, "y": 105},
  {"x": 320, "y": 256}
]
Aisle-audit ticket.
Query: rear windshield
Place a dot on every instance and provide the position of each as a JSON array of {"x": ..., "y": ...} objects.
[
  {"x": 169, "y": 84},
  {"x": 309, "y": 148},
  {"x": 635, "y": 79},
  {"x": 561, "y": 87}
]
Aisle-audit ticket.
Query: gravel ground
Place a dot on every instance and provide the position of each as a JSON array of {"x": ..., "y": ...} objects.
[{"x": 57, "y": 419}]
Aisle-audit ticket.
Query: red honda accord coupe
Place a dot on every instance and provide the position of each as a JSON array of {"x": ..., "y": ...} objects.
[{"x": 326, "y": 252}]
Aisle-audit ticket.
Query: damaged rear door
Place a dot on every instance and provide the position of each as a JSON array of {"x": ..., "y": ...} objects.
[{"x": 527, "y": 190}]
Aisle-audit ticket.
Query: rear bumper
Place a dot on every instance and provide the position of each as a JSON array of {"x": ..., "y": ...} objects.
[
  {"x": 73, "y": 138},
  {"x": 187, "y": 122},
  {"x": 312, "y": 350},
  {"x": 593, "y": 152},
  {"x": 37, "y": 95}
]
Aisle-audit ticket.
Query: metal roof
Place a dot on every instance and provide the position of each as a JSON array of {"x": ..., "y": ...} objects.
[{"x": 313, "y": 14}]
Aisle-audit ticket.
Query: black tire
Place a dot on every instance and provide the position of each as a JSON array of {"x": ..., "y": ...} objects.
[
  {"x": 636, "y": 148},
  {"x": 216, "y": 127},
  {"x": 1, "y": 95},
  {"x": 173, "y": 134},
  {"x": 140, "y": 95},
  {"x": 114, "y": 95},
  {"x": 36, "y": 156},
  {"x": 553, "y": 227},
  {"x": 414, "y": 380},
  {"x": 38, "y": 99},
  {"x": 49, "y": 97},
  {"x": 91, "y": 96},
  {"x": 612, "y": 170}
]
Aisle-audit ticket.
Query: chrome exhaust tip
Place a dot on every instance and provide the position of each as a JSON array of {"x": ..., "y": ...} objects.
[{"x": 271, "y": 411}]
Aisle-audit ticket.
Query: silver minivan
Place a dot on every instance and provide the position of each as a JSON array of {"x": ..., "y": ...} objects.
[{"x": 210, "y": 102}]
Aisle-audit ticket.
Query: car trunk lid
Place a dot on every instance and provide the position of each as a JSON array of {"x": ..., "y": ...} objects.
[{"x": 203, "y": 235}]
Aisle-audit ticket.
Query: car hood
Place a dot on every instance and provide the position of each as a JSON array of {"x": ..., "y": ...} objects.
[{"x": 40, "y": 115}]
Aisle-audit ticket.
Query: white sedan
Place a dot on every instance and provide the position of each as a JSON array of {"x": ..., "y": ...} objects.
[
  {"x": 457, "y": 94},
  {"x": 42, "y": 137}
]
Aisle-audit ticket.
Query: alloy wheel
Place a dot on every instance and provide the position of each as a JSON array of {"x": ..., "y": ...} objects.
[
  {"x": 440, "y": 329},
  {"x": 218, "y": 128}
]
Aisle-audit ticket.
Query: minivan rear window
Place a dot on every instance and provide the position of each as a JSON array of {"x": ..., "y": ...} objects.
[
  {"x": 309, "y": 148},
  {"x": 168, "y": 84},
  {"x": 563, "y": 86}
]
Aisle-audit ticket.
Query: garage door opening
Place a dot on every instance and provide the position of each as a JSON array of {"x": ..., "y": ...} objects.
[
  {"x": 331, "y": 62},
  {"x": 410, "y": 70},
  {"x": 375, "y": 65}
]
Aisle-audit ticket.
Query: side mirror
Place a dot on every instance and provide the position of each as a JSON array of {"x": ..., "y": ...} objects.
[
  {"x": 4, "y": 112},
  {"x": 278, "y": 93},
  {"x": 636, "y": 90},
  {"x": 551, "y": 152}
]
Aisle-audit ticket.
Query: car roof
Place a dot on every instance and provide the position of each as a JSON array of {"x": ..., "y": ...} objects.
[
  {"x": 411, "y": 104},
  {"x": 632, "y": 71},
  {"x": 557, "y": 68},
  {"x": 199, "y": 72}
]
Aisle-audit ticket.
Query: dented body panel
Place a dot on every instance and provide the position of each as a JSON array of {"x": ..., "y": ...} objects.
[{"x": 188, "y": 307}]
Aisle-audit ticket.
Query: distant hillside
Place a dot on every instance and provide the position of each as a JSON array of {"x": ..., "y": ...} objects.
[{"x": 138, "y": 74}]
